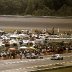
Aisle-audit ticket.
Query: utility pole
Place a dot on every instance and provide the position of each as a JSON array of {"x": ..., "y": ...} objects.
[
  {"x": 53, "y": 31},
  {"x": 58, "y": 30}
]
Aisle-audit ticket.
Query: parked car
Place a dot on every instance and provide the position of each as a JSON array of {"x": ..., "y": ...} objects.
[
  {"x": 33, "y": 56},
  {"x": 56, "y": 57},
  {"x": 28, "y": 56}
]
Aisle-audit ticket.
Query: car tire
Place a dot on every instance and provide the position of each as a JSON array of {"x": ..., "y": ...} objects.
[{"x": 62, "y": 58}]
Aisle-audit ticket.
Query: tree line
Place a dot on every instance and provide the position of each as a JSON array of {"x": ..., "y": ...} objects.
[{"x": 36, "y": 7}]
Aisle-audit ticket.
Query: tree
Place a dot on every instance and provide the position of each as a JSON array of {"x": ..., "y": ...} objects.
[
  {"x": 54, "y": 4},
  {"x": 65, "y": 11},
  {"x": 36, "y": 7},
  {"x": 68, "y": 2}
]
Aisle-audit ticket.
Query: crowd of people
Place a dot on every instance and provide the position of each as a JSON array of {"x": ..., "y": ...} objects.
[
  {"x": 19, "y": 54},
  {"x": 35, "y": 40}
]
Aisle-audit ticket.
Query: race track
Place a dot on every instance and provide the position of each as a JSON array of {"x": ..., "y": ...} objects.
[{"x": 21, "y": 22}]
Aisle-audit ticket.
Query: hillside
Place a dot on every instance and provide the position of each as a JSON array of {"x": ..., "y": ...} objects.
[{"x": 36, "y": 7}]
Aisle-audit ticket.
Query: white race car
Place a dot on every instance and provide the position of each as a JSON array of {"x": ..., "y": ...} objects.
[{"x": 56, "y": 57}]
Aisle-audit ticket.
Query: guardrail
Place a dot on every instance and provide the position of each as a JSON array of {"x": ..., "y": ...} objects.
[{"x": 30, "y": 16}]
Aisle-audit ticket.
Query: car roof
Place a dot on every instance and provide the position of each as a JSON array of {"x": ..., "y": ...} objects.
[{"x": 56, "y": 55}]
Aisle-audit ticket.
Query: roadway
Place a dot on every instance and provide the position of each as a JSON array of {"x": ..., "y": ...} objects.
[
  {"x": 29, "y": 22},
  {"x": 26, "y": 65}
]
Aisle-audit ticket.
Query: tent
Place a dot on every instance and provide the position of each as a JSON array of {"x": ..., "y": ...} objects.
[
  {"x": 23, "y": 47},
  {"x": 12, "y": 49},
  {"x": 27, "y": 48}
]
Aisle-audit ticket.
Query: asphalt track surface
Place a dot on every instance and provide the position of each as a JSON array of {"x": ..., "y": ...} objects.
[
  {"x": 27, "y": 65},
  {"x": 20, "y": 22}
]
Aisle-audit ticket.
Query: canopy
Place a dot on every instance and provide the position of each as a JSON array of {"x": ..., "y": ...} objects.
[
  {"x": 13, "y": 41},
  {"x": 28, "y": 48},
  {"x": 23, "y": 47},
  {"x": 32, "y": 48},
  {"x": 14, "y": 36},
  {"x": 12, "y": 49}
]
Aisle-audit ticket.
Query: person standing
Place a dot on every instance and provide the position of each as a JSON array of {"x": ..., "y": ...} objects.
[{"x": 21, "y": 55}]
